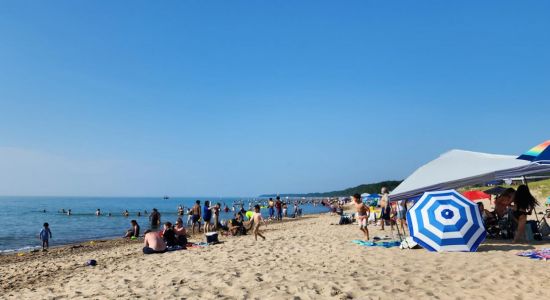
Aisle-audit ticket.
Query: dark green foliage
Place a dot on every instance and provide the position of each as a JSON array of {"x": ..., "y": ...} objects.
[{"x": 371, "y": 188}]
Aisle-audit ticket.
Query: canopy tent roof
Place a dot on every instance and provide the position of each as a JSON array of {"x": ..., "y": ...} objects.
[{"x": 459, "y": 168}]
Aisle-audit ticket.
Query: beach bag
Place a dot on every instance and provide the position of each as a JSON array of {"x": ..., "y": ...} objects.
[
  {"x": 211, "y": 237},
  {"x": 344, "y": 220},
  {"x": 409, "y": 243},
  {"x": 544, "y": 229}
]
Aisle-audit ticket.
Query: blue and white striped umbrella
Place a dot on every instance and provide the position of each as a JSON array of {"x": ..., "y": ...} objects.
[{"x": 446, "y": 221}]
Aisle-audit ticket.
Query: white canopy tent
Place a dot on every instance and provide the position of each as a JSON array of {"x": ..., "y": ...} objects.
[{"x": 459, "y": 168}]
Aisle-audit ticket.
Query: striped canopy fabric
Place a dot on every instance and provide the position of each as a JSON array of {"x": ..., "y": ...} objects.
[{"x": 446, "y": 221}]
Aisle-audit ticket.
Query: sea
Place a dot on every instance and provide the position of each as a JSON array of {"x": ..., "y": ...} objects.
[{"x": 21, "y": 218}]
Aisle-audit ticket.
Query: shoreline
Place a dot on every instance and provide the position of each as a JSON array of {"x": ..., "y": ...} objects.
[
  {"x": 31, "y": 249},
  {"x": 91, "y": 244}
]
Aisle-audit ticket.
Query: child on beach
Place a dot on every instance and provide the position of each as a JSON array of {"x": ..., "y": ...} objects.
[
  {"x": 45, "y": 235},
  {"x": 256, "y": 220},
  {"x": 363, "y": 213}
]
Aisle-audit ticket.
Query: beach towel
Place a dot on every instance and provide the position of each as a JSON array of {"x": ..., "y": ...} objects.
[
  {"x": 197, "y": 245},
  {"x": 541, "y": 254},
  {"x": 386, "y": 244}
]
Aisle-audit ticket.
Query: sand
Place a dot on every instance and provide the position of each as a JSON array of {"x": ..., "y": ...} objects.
[{"x": 304, "y": 259}]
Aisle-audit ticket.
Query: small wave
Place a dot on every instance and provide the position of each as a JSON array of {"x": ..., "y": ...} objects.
[{"x": 26, "y": 248}]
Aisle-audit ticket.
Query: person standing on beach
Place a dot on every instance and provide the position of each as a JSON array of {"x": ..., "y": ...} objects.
[
  {"x": 196, "y": 216},
  {"x": 45, "y": 236},
  {"x": 256, "y": 222},
  {"x": 154, "y": 218},
  {"x": 279, "y": 208},
  {"x": 207, "y": 216},
  {"x": 216, "y": 213},
  {"x": 363, "y": 213},
  {"x": 385, "y": 209},
  {"x": 270, "y": 205}
]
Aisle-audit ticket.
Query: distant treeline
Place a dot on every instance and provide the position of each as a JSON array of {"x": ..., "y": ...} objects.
[{"x": 371, "y": 188}]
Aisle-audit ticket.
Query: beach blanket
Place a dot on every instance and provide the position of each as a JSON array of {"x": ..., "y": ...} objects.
[
  {"x": 540, "y": 254},
  {"x": 385, "y": 244},
  {"x": 197, "y": 245}
]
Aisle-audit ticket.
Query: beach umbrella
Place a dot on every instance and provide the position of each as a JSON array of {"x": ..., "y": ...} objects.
[
  {"x": 538, "y": 153},
  {"x": 497, "y": 190},
  {"x": 476, "y": 195},
  {"x": 446, "y": 221}
]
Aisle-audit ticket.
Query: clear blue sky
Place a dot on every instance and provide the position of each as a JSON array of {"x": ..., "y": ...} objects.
[{"x": 240, "y": 98}]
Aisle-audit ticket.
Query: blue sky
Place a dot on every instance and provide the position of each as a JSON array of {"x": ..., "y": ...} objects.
[{"x": 238, "y": 98}]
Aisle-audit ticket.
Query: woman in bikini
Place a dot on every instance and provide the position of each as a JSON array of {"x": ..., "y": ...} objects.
[{"x": 524, "y": 203}]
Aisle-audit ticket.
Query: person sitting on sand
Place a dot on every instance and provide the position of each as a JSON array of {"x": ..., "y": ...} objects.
[
  {"x": 195, "y": 218},
  {"x": 236, "y": 225},
  {"x": 524, "y": 203},
  {"x": 133, "y": 231},
  {"x": 363, "y": 213},
  {"x": 485, "y": 214},
  {"x": 499, "y": 222},
  {"x": 169, "y": 235},
  {"x": 256, "y": 222},
  {"x": 181, "y": 233},
  {"x": 153, "y": 243}
]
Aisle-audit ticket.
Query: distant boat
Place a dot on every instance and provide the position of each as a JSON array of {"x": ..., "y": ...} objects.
[{"x": 165, "y": 197}]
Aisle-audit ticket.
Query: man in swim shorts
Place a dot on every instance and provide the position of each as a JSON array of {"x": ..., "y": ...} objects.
[
  {"x": 363, "y": 213},
  {"x": 196, "y": 216},
  {"x": 153, "y": 243}
]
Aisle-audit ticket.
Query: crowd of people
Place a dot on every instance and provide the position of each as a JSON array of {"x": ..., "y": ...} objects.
[
  {"x": 205, "y": 218},
  {"x": 508, "y": 219},
  {"x": 172, "y": 238}
]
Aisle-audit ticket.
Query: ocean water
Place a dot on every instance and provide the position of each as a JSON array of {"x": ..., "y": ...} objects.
[{"x": 21, "y": 218}]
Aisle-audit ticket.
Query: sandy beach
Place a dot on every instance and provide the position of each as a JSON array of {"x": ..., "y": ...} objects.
[{"x": 304, "y": 259}]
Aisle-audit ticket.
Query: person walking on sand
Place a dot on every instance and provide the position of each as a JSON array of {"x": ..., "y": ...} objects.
[
  {"x": 363, "y": 213},
  {"x": 256, "y": 222},
  {"x": 196, "y": 216},
  {"x": 45, "y": 236}
]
